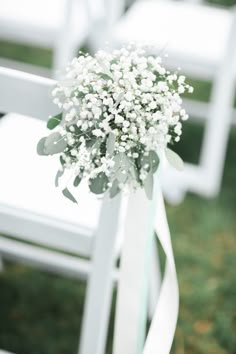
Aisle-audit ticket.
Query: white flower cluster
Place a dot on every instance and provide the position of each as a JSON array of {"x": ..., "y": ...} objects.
[{"x": 119, "y": 109}]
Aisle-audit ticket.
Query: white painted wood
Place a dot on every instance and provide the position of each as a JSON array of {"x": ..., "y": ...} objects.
[
  {"x": 199, "y": 111},
  {"x": 99, "y": 291},
  {"x": 173, "y": 27},
  {"x": 47, "y": 260},
  {"x": 1, "y": 263},
  {"x": 219, "y": 119},
  {"x": 28, "y": 68},
  {"x": 36, "y": 256},
  {"x": 26, "y": 94},
  {"x": 61, "y": 25},
  {"x": 33, "y": 227}
]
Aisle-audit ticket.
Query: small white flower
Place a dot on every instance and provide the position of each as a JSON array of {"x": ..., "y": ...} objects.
[{"x": 119, "y": 119}]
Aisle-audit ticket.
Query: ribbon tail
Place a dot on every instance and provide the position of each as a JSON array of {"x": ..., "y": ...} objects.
[{"x": 162, "y": 329}]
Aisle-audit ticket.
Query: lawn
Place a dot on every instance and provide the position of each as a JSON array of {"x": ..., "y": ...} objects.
[{"x": 41, "y": 313}]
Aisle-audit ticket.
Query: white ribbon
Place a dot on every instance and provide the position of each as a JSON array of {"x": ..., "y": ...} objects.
[
  {"x": 142, "y": 217},
  {"x": 162, "y": 330}
]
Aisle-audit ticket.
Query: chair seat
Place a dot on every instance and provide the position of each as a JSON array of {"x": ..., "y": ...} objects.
[
  {"x": 183, "y": 30},
  {"x": 27, "y": 180},
  {"x": 38, "y": 22}
]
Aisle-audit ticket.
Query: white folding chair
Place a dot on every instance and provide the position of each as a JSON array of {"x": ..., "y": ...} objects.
[
  {"x": 60, "y": 25},
  {"x": 33, "y": 210},
  {"x": 201, "y": 40}
]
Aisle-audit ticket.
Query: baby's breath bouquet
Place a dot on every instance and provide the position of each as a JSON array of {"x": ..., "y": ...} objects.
[{"x": 119, "y": 111}]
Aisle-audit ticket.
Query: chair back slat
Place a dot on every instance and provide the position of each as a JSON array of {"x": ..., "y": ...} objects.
[{"x": 26, "y": 94}]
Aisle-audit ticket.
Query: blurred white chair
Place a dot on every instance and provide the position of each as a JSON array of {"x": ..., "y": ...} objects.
[
  {"x": 60, "y": 25},
  {"x": 32, "y": 210},
  {"x": 201, "y": 40}
]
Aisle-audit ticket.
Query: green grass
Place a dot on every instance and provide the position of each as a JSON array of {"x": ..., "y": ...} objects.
[{"x": 41, "y": 313}]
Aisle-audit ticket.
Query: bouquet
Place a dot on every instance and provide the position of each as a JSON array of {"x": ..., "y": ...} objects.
[{"x": 118, "y": 111}]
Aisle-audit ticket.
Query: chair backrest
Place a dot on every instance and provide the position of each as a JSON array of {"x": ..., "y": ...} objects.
[
  {"x": 25, "y": 94},
  {"x": 29, "y": 95}
]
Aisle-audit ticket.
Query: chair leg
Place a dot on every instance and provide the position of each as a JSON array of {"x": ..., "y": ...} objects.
[
  {"x": 100, "y": 282},
  {"x": 219, "y": 120},
  {"x": 155, "y": 281},
  {"x": 1, "y": 264}
]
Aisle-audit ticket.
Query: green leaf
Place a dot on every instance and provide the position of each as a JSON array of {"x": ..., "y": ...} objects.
[
  {"x": 54, "y": 144},
  {"x": 122, "y": 175},
  {"x": 41, "y": 147},
  {"x": 122, "y": 167},
  {"x": 111, "y": 143},
  {"x": 174, "y": 159},
  {"x": 77, "y": 180},
  {"x": 143, "y": 160},
  {"x": 114, "y": 188},
  {"x": 148, "y": 185},
  {"x": 62, "y": 161},
  {"x": 105, "y": 76},
  {"x": 90, "y": 142},
  {"x": 99, "y": 184},
  {"x": 135, "y": 172},
  {"x": 96, "y": 146},
  {"x": 118, "y": 160},
  {"x": 114, "y": 61},
  {"x": 58, "y": 175},
  {"x": 80, "y": 94},
  {"x": 153, "y": 160},
  {"x": 68, "y": 195},
  {"x": 54, "y": 121}
]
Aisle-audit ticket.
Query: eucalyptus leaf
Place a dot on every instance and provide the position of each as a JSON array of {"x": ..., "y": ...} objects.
[
  {"x": 148, "y": 185},
  {"x": 41, "y": 147},
  {"x": 90, "y": 142},
  {"x": 58, "y": 176},
  {"x": 105, "y": 76},
  {"x": 126, "y": 162},
  {"x": 118, "y": 161},
  {"x": 135, "y": 172},
  {"x": 111, "y": 143},
  {"x": 80, "y": 94},
  {"x": 97, "y": 144},
  {"x": 174, "y": 159},
  {"x": 153, "y": 160},
  {"x": 77, "y": 181},
  {"x": 150, "y": 161},
  {"x": 122, "y": 167},
  {"x": 121, "y": 175},
  {"x": 119, "y": 98},
  {"x": 62, "y": 161},
  {"x": 143, "y": 160},
  {"x": 68, "y": 195},
  {"x": 114, "y": 188},
  {"x": 114, "y": 61},
  {"x": 99, "y": 184},
  {"x": 54, "y": 121},
  {"x": 54, "y": 144}
]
